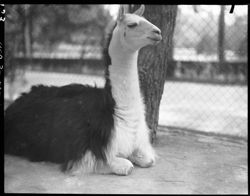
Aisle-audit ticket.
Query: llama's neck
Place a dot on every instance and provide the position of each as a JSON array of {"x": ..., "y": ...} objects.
[{"x": 124, "y": 77}]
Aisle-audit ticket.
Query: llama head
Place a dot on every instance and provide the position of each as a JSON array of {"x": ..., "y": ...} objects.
[{"x": 134, "y": 30}]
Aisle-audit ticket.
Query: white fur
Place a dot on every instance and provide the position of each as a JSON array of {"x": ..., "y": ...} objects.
[
  {"x": 130, "y": 143},
  {"x": 87, "y": 164},
  {"x": 130, "y": 123}
]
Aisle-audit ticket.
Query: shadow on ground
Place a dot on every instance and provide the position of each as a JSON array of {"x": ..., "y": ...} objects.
[{"x": 188, "y": 163}]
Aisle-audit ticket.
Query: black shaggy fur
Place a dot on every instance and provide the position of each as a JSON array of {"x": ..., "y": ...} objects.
[{"x": 59, "y": 124}]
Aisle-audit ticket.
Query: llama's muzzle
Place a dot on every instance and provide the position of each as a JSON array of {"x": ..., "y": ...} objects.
[{"x": 156, "y": 35}]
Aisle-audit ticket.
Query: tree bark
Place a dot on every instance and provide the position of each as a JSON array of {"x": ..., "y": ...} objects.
[{"x": 153, "y": 60}]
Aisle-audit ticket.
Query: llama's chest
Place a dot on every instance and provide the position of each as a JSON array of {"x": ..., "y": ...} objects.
[
  {"x": 126, "y": 132},
  {"x": 128, "y": 123}
]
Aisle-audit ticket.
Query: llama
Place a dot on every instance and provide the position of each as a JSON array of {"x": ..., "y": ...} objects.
[{"x": 90, "y": 129}]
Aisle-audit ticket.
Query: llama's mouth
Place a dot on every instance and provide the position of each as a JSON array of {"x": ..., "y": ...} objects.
[{"x": 155, "y": 39}]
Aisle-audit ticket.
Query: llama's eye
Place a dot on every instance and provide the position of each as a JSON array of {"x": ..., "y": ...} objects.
[{"x": 133, "y": 25}]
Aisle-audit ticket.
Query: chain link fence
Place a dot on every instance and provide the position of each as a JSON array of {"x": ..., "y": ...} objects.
[
  {"x": 210, "y": 44},
  {"x": 206, "y": 81},
  {"x": 210, "y": 61}
]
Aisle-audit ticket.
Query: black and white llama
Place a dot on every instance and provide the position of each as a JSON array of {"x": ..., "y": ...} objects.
[{"x": 89, "y": 129}]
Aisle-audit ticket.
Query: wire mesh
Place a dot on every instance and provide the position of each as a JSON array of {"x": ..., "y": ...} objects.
[{"x": 211, "y": 103}]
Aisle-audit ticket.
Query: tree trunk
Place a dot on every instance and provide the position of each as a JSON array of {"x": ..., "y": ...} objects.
[{"x": 152, "y": 62}]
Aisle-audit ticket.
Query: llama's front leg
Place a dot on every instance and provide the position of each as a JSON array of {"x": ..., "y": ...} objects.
[{"x": 120, "y": 166}]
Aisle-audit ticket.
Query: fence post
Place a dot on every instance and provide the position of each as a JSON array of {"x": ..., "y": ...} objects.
[
  {"x": 27, "y": 31},
  {"x": 221, "y": 35}
]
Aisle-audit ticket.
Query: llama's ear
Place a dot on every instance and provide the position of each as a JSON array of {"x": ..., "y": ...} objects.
[
  {"x": 121, "y": 13},
  {"x": 140, "y": 11}
]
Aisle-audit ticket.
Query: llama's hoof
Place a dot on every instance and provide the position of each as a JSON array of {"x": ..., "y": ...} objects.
[
  {"x": 143, "y": 160},
  {"x": 144, "y": 163},
  {"x": 147, "y": 164},
  {"x": 124, "y": 171},
  {"x": 123, "y": 168}
]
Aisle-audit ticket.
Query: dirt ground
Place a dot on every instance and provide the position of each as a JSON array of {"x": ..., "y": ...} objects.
[{"x": 188, "y": 162}]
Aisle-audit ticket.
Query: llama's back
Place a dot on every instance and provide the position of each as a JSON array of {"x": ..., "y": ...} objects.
[
  {"x": 59, "y": 124},
  {"x": 24, "y": 123}
]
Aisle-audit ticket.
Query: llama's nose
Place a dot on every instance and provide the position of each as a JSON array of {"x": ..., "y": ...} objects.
[
  {"x": 157, "y": 34},
  {"x": 157, "y": 31}
]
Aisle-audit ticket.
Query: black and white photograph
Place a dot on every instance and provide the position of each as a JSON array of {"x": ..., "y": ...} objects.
[{"x": 125, "y": 98}]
